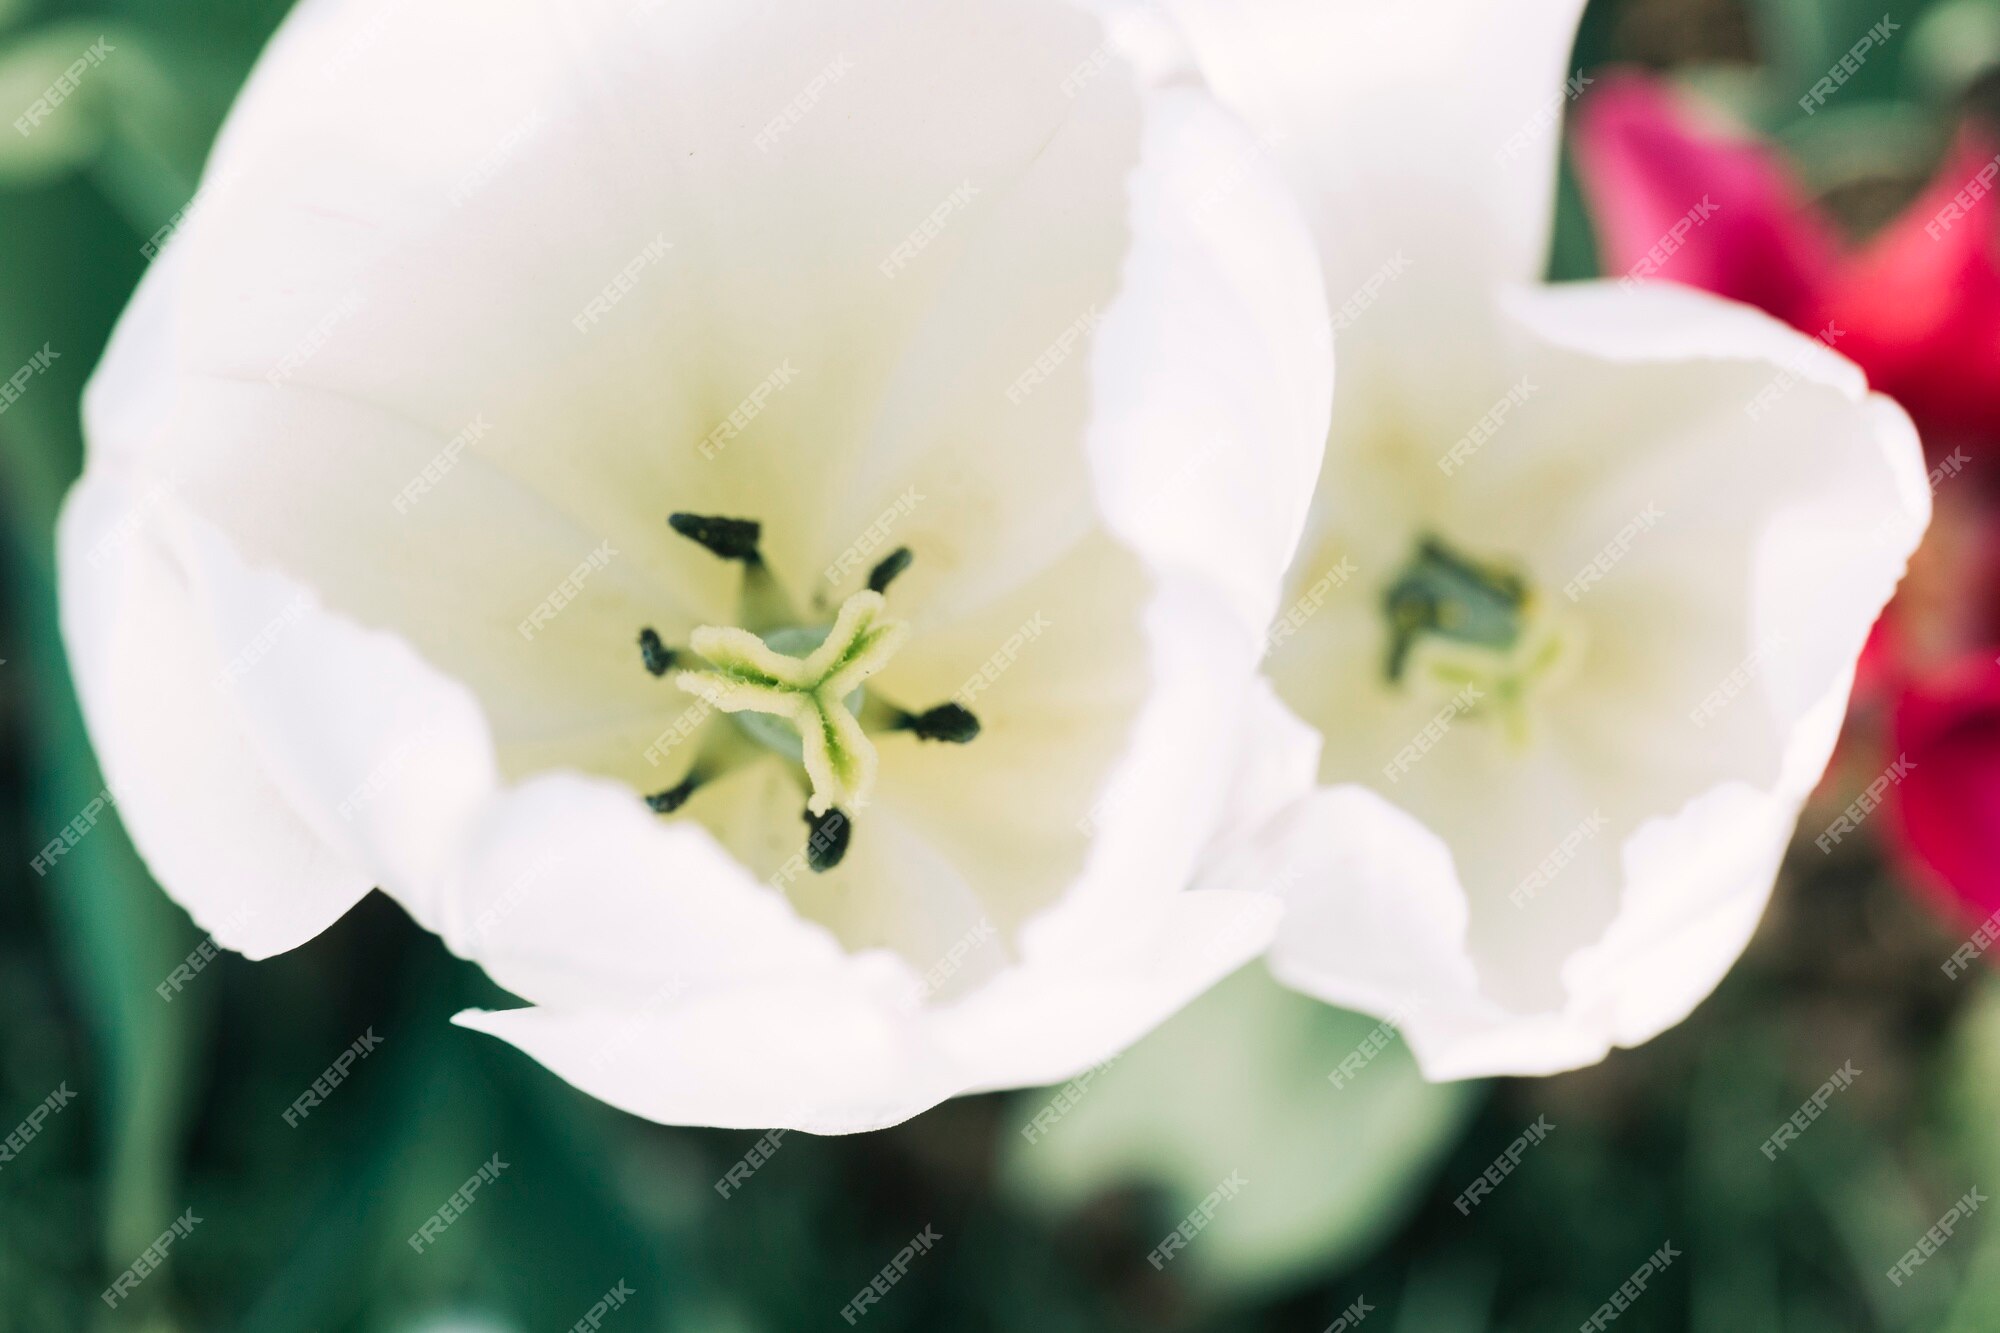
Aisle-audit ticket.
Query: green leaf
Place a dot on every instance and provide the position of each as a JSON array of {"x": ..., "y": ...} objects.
[
  {"x": 1952, "y": 45},
  {"x": 1238, "y": 1083},
  {"x": 58, "y": 96}
]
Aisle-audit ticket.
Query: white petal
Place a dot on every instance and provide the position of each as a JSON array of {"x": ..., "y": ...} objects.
[
  {"x": 336, "y": 738},
  {"x": 403, "y": 289},
  {"x": 179, "y": 753},
  {"x": 1721, "y": 643},
  {"x": 354, "y": 295},
  {"x": 1427, "y": 129},
  {"x": 1196, "y": 471},
  {"x": 796, "y": 1053},
  {"x": 708, "y": 1002},
  {"x": 1836, "y": 474},
  {"x": 387, "y": 759},
  {"x": 1059, "y": 1014},
  {"x": 646, "y": 941},
  {"x": 1277, "y": 763}
]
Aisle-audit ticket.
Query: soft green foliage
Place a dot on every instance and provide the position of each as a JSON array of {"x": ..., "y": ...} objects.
[
  {"x": 180, "y": 1104},
  {"x": 1242, "y": 1083}
]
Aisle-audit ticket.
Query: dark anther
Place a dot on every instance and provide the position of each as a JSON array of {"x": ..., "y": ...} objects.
[
  {"x": 828, "y": 841},
  {"x": 730, "y": 538},
  {"x": 673, "y": 798},
  {"x": 946, "y": 722},
  {"x": 1445, "y": 594},
  {"x": 885, "y": 573},
  {"x": 658, "y": 657}
]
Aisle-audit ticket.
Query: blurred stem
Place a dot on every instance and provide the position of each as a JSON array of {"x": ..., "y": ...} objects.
[
  {"x": 1877, "y": 1211},
  {"x": 32, "y": 481},
  {"x": 1736, "y": 1090},
  {"x": 1450, "y": 1293}
]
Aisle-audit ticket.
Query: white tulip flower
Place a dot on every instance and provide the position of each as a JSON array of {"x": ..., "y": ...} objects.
[
  {"x": 1575, "y": 620},
  {"x": 752, "y": 519}
]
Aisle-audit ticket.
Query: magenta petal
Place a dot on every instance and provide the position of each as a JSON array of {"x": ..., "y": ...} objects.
[
  {"x": 1650, "y": 169},
  {"x": 1947, "y": 806},
  {"x": 1921, "y": 304}
]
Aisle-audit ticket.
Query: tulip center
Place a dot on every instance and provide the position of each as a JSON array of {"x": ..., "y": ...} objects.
[
  {"x": 796, "y": 690},
  {"x": 1478, "y": 631}
]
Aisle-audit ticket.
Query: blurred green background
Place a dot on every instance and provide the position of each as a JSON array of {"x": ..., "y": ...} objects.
[{"x": 1348, "y": 1189}]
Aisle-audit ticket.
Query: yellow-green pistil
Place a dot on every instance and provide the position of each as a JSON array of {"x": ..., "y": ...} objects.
[
  {"x": 1463, "y": 622},
  {"x": 796, "y": 688},
  {"x": 810, "y": 693}
]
